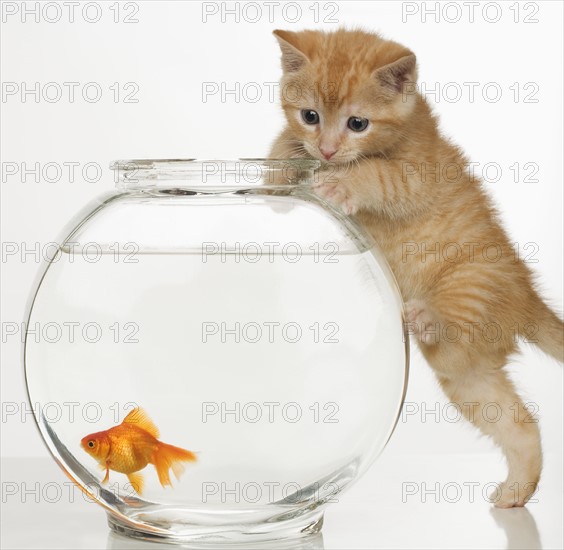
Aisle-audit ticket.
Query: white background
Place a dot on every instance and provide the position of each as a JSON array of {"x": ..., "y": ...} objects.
[{"x": 171, "y": 52}]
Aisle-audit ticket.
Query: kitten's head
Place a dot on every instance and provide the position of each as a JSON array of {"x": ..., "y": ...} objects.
[{"x": 346, "y": 94}]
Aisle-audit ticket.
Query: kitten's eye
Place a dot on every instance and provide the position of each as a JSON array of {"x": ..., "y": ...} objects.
[
  {"x": 357, "y": 124},
  {"x": 310, "y": 117}
]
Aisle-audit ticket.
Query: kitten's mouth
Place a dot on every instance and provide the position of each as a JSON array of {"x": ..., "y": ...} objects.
[
  {"x": 341, "y": 161},
  {"x": 336, "y": 160}
]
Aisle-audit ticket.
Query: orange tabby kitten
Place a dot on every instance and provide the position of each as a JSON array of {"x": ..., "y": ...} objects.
[{"x": 350, "y": 101}]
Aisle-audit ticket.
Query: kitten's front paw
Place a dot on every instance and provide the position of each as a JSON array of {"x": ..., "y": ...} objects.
[
  {"x": 331, "y": 186},
  {"x": 420, "y": 321}
]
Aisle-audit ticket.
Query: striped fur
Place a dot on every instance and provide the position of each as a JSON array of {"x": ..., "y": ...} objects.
[{"x": 469, "y": 297}]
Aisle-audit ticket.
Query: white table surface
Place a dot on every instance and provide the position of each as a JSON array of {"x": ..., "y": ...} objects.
[{"x": 372, "y": 514}]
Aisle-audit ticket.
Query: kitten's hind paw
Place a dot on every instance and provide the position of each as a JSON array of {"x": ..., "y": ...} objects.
[{"x": 512, "y": 494}]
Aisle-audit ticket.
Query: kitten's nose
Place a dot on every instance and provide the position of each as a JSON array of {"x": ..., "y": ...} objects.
[{"x": 327, "y": 153}]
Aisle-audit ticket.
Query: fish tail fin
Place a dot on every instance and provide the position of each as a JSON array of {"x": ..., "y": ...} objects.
[
  {"x": 137, "y": 482},
  {"x": 169, "y": 456}
]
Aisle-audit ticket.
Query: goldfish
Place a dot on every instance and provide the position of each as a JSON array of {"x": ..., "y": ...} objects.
[{"x": 132, "y": 445}]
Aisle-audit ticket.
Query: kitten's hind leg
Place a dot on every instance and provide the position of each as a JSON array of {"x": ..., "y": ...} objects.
[{"x": 488, "y": 399}]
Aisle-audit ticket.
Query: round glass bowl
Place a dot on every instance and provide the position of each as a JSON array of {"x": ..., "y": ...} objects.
[{"x": 257, "y": 328}]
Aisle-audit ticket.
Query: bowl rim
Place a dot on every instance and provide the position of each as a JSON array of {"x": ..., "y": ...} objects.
[
  {"x": 239, "y": 173},
  {"x": 189, "y": 164}
]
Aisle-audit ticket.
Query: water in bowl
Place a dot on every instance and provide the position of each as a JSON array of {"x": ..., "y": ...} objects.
[{"x": 278, "y": 367}]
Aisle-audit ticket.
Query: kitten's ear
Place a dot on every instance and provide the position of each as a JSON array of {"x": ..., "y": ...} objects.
[
  {"x": 396, "y": 74},
  {"x": 292, "y": 58}
]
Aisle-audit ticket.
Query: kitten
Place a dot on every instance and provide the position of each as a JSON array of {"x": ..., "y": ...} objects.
[{"x": 350, "y": 101}]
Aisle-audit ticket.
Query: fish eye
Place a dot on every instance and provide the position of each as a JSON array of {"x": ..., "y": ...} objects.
[
  {"x": 357, "y": 124},
  {"x": 91, "y": 444},
  {"x": 310, "y": 116}
]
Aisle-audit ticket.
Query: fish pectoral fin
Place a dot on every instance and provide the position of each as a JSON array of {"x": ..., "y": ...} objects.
[
  {"x": 107, "y": 476},
  {"x": 137, "y": 482}
]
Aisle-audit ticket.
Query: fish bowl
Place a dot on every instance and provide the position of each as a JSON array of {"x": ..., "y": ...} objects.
[{"x": 213, "y": 352}]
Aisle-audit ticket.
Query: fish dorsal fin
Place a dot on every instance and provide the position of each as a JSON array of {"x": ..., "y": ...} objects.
[{"x": 138, "y": 417}]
